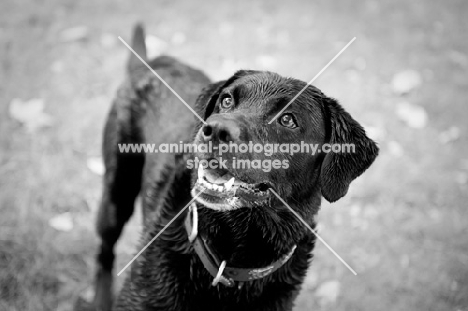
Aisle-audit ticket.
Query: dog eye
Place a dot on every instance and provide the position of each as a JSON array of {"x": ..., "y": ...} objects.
[
  {"x": 227, "y": 102},
  {"x": 287, "y": 120}
]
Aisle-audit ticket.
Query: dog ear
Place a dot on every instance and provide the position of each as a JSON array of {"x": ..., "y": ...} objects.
[
  {"x": 340, "y": 169},
  {"x": 206, "y": 102},
  {"x": 139, "y": 46}
]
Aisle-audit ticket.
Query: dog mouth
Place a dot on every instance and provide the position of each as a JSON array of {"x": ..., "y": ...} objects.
[{"x": 219, "y": 189}]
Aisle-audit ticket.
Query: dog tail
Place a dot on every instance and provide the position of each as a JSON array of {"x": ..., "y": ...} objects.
[{"x": 139, "y": 46}]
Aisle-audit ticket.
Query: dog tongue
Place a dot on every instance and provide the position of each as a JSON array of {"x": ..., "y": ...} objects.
[{"x": 217, "y": 176}]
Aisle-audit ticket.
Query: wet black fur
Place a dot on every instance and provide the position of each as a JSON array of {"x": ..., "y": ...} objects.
[{"x": 169, "y": 275}]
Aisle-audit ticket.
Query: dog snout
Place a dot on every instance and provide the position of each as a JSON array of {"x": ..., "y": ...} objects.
[{"x": 221, "y": 131}]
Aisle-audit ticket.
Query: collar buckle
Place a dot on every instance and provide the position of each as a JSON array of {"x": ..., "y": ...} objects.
[
  {"x": 194, "y": 232},
  {"x": 220, "y": 278},
  {"x": 211, "y": 262}
]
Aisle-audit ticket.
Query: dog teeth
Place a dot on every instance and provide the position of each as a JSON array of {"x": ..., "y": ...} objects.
[
  {"x": 228, "y": 185},
  {"x": 220, "y": 188}
]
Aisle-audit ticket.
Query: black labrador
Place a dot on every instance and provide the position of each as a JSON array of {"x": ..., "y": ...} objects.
[{"x": 236, "y": 246}]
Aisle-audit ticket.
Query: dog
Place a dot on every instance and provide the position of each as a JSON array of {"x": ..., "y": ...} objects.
[{"x": 229, "y": 242}]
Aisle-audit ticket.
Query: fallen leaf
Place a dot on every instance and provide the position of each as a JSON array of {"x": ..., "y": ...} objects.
[
  {"x": 414, "y": 116},
  {"x": 178, "y": 38},
  {"x": 108, "y": 40},
  {"x": 225, "y": 29},
  {"x": 458, "y": 58},
  {"x": 57, "y": 66},
  {"x": 354, "y": 210},
  {"x": 360, "y": 63},
  {"x": 92, "y": 200},
  {"x": 361, "y": 224},
  {"x": 404, "y": 261},
  {"x": 78, "y": 33},
  {"x": 30, "y": 113},
  {"x": 449, "y": 135},
  {"x": 88, "y": 294},
  {"x": 371, "y": 212},
  {"x": 435, "y": 214},
  {"x": 464, "y": 164},
  {"x": 352, "y": 76},
  {"x": 363, "y": 260},
  {"x": 84, "y": 300},
  {"x": 266, "y": 61},
  {"x": 282, "y": 38},
  {"x": 95, "y": 165},
  {"x": 154, "y": 46},
  {"x": 461, "y": 178},
  {"x": 337, "y": 220},
  {"x": 406, "y": 81},
  {"x": 328, "y": 292},
  {"x": 376, "y": 133},
  {"x": 62, "y": 222},
  {"x": 395, "y": 149},
  {"x": 311, "y": 280},
  {"x": 227, "y": 68}
]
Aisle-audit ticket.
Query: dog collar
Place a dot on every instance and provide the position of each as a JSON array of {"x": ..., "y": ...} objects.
[{"x": 219, "y": 269}]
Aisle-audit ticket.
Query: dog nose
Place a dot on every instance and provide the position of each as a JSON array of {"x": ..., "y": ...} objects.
[{"x": 223, "y": 131}]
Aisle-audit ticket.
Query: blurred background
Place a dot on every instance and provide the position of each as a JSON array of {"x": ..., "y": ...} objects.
[{"x": 403, "y": 225}]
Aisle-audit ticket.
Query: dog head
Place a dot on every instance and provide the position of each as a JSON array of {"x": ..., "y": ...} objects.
[{"x": 238, "y": 112}]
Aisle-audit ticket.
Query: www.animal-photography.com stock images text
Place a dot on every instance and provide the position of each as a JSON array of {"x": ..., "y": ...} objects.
[{"x": 248, "y": 155}]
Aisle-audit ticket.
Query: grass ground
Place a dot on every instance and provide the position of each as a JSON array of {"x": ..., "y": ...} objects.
[{"x": 404, "y": 224}]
